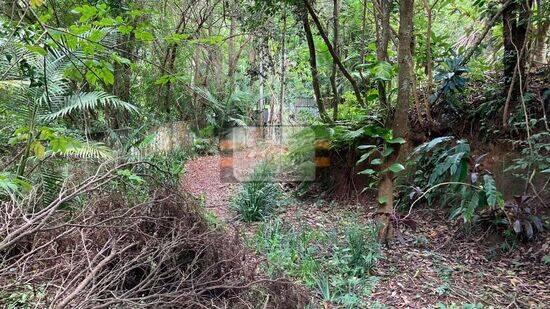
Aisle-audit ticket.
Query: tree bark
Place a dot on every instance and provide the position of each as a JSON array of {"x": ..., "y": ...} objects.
[
  {"x": 382, "y": 46},
  {"x": 333, "y": 76},
  {"x": 541, "y": 38},
  {"x": 313, "y": 67},
  {"x": 335, "y": 57},
  {"x": 399, "y": 123}
]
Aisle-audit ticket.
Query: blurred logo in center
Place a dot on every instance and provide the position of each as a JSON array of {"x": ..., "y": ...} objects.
[{"x": 295, "y": 153}]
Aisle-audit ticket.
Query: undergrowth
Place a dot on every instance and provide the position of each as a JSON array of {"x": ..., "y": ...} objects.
[
  {"x": 336, "y": 263},
  {"x": 258, "y": 197},
  {"x": 445, "y": 171}
]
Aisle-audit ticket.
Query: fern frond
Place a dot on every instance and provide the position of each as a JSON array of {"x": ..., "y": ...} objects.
[
  {"x": 90, "y": 151},
  {"x": 52, "y": 181},
  {"x": 88, "y": 101}
]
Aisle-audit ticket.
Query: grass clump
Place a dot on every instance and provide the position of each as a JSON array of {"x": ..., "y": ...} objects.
[
  {"x": 257, "y": 198},
  {"x": 336, "y": 263}
]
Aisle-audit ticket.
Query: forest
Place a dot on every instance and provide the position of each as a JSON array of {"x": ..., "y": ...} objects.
[{"x": 274, "y": 154}]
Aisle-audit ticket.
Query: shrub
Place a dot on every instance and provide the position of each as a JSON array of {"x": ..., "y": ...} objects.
[
  {"x": 447, "y": 172},
  {"x": 258, "y": 197}
]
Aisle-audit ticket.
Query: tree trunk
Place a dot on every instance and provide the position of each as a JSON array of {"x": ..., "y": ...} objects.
[
  {"x": 261, "y": 104},
  {"x": 333, "y": 76},
  {"x": 283, "y": 67},
  {"x": 429, "y": 74},
  {"x": 541, "y": 38},
  {"x": 313, "y": 67},
  {"x": 515, "y": 18},
  {"x": 382, "y": 46},
  {"x": 399, "y": 123},
  {"x": 335, "y": 57},
  {"x": 364, "y": 36},
  {"x": 231, "y": 56}
]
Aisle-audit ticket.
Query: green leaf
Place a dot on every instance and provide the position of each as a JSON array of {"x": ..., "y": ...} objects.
[
  {"x": 144, "y": 35},
  {"x": 126, "y": 173},
  {"x": 396, "y": 167},
  {"x": 365, "y": 156},
  {"x": 36, "y": 49},
  {"x": 119, "y": 59},
  {"x": 383, "y": 199},
  {"x": 376, "y": 161},
  {"x": 38, "y": 149},
  {"x": 367, "y": 171},
  {"x": 86, "y": 12},
  {"x": 106, "y": 22},
  {"x": 494, "y": 197},
  {"x": 176, "y": 37},
  {"x": 88, "y": 100},
  {"x": 60, "y": 144},
  {"x": 108, "y": 76},
  {"x": 364, "y": 147},
  {"x": 10, "y": 184},
  {"x": 397, "y": 140},
  {"x": 37, "y": 3},
  {"x": 387, "y": 151},
  {"x": 382, "y": 71},
  {"x": 125, "y": 29}
]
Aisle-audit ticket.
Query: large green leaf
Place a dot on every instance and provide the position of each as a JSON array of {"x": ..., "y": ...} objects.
[{"x": 494, "y": 197}]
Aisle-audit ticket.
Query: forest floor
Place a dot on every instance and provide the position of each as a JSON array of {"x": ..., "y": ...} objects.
[{"x": 437, "y": 263}]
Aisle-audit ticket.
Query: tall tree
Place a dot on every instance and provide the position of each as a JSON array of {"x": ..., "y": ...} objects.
[
  {"x": 428, "y": 66},
  {"x": 333, "y": 53},
  {"x": 313, "y": 66},
  {"x": 383, "y": 16},
  {"x": 334, "y": 73},
  {"x": 515, "y": 19},
  {"x": 399, "y": 121}
]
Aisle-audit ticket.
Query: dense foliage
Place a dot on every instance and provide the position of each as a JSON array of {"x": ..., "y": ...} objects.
[{"x": 415, "y": 106}]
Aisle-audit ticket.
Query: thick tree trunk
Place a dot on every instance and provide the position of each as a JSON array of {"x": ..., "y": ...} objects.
[
  {"x": 313, "y": 67},
  {"x": 541, "y": 38},
  {"x": 399, "y": 123}
]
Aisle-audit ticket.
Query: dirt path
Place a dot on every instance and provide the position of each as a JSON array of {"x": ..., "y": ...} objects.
[{"x": 202, "y": 179}]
